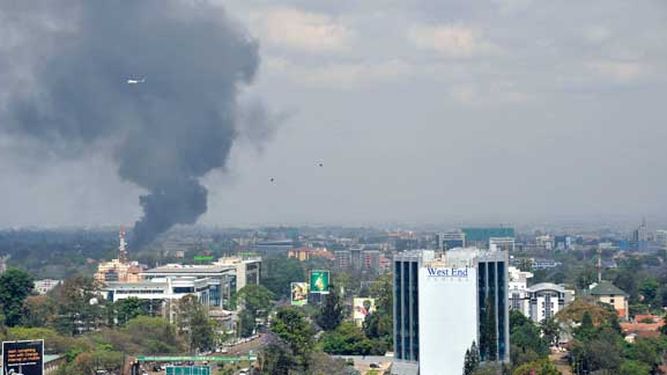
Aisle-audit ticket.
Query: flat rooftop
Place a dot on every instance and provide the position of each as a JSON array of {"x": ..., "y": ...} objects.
[{"x": 189, "y": 269}]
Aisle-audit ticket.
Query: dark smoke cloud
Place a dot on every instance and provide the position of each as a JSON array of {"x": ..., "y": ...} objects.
[{"x": 166, "y": 133}]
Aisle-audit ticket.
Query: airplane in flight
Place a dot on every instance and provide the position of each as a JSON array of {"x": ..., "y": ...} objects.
[{"x": 132, "y": 81}]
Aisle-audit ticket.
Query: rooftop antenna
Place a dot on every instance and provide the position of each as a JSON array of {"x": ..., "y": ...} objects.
[{"x": 599, "y": 266}]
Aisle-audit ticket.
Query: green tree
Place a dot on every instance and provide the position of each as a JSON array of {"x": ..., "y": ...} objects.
[
  {"x": 255, "y": 298},
  {"x": 276, "y": 358},
  {"x": 130, "y": 308},
  {"x": 158, "y": 336},
  {"x": 378, "y": 325},
  {"x": 193, "y": 322},
  {"x": 279, "y": 272},
  {"x": 15, "y": 286},
  {"x": 634, "y": 368},
  {"x": 346, "y": 339},
  {"x": 256, "y": 302},
  {"x": 586, "y": 330},
  {"x": 539, "y": 367},
  {"x": 246, "y": 323},
  {"x": 649, "y": 290},
  {"x": 291, "y": 327},
  {"x": 40, "y": 311},
  {"x": 79, "y": 305},
  {"x": 332, "y": 313},
  {"x": 472, "y": 360},
  {"x": 550, "y": 331}
]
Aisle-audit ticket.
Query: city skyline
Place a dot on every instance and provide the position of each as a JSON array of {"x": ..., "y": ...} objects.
[{"x": 423, "y": 112}]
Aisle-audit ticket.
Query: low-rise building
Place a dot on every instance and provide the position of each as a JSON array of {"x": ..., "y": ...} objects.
[
  {"x": 167, "y": 291},
  {"x": 517, "y": 288},
  {"x": 118, "y": 270},
  {"x": 46, "y": 285},
  {"x": 608, "y": 293},
  {"x": 544, "y": 300}
]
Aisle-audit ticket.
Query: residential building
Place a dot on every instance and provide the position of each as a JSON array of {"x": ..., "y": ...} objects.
[
  {"x": 118, "y": 270},
  {"x": 608, "y": 293},
  {"x": 461, "y": 296},
  {"x": 371, "y": 260},
  {"x": 305, "y": 253},
  {"x": 46, "y": 285},
  {"x": 343, "y": 259}
]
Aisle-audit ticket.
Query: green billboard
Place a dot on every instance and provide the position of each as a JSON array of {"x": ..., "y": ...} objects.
[
  {"x": 319, "y": 282},
  {"x": 188, "y": 370}
]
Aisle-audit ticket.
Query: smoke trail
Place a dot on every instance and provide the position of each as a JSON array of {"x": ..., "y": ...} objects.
[{"x": 67, "y": 87}]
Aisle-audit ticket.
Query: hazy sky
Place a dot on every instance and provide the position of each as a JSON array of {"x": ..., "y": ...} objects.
[{"x": 422, "y": 111}]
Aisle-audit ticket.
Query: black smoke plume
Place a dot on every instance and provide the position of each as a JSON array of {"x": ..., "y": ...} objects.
[{"x": 76, "y": 57}]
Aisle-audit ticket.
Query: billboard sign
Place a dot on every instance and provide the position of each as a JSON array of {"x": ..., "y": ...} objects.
[
  {"x": 362, "y": 307},
  {"x": 23, "y": 357},
  {"x": 299, "y": 294},
  {"x": 188, "y": 370},
  {"x": 319, "y": 282}
]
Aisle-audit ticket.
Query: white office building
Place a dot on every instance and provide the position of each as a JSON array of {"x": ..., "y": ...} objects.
[
  {"x": 443, "y": 303},
  {"x": 501, "y": 243},
  {"x": 518, "y": 289},
  {"x": 166, "y": 291},
  {"x": 545, "y": 300}
]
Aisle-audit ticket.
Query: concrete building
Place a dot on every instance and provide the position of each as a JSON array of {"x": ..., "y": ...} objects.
[
  {"x": 118, "y": 270},
  {"x": 166, "y": 290},
  {"x": 661, "y": 238},
  {"x": 343, "y": 259},
  {"x": 247, "y": 270},
  {"x": 479, "y": 237},
  {"x": 545, "y": 242},
  {"x": 444, "y": 303},
  {"x": 225, "y": 276},
  {"x": 608, "y": 293},
  {"x": 450, "y": 240},
  {"x": 544, "y": 300},
  {"x": 563, "y": 242},
  {"x": 518, "y": 288},
  {"x": 44, "y": 286},
  {"x": 371, "y": 260},
  {"x": 501, "y": 244}
]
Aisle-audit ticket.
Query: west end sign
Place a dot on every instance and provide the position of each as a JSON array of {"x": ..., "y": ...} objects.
[{"x": 447, "y": 272}]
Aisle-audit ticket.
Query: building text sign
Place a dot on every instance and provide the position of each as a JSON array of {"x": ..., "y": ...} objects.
[
  {"x": 448, "y": 272},
  {"x": 23, "y": 357}
]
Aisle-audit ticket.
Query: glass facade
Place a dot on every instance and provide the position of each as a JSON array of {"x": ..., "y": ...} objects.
[
  {"x": 502, "y": 310},
  {"x": 407, "y": 347},
  {"x": 414, "y": 277},
  {"x": 406, "y": 310},
  {"x": 492, "y": 310},
  {"x": 398, "y": 312}
]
